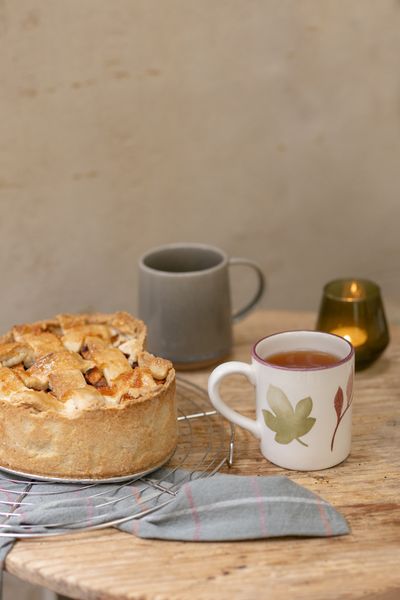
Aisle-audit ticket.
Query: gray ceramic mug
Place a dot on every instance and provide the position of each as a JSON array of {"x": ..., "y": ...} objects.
[{"x": 185, "y": 301}]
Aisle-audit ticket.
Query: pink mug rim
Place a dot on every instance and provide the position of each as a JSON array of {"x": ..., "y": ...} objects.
[{"x": 302, "y": 370}]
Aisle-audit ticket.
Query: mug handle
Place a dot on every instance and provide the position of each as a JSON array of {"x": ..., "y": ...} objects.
[
  {"x": 230, "y": 368},
  {"x": 261, "y": 284}
]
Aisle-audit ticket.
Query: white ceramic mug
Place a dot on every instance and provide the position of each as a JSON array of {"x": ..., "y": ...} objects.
[{"x": 303, "y": 415}]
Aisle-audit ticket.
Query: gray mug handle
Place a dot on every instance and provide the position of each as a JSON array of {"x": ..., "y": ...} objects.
[{"x": 261, "y": 284}]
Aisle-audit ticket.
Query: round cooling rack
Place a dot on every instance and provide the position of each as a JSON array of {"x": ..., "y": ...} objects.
[{"x": 37, "y": 507}]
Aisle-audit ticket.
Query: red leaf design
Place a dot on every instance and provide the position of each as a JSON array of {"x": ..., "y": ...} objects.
[
  {"x": 338, "y": 402},
  {"x": 349, "y": 388}
]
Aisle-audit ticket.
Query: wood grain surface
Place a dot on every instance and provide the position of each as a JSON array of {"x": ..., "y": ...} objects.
[{"x": 108, "y": 564}]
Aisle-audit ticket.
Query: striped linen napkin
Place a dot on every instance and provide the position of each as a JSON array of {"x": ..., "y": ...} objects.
[
  {"x": 217, "y": 508},
  {"x": 231, "y": 507}
]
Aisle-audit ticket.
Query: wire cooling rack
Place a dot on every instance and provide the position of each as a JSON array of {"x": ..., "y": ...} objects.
[{"x": 205, "y": 444}]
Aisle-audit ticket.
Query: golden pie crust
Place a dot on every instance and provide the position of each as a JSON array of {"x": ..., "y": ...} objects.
[{"x": 80, "y": 398}]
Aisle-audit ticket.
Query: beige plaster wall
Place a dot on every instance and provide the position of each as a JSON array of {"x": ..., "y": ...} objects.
[{"x": 268, "y": 127}]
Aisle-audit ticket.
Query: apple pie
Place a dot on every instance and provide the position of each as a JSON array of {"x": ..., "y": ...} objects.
[{"x": 81, "y": 398}]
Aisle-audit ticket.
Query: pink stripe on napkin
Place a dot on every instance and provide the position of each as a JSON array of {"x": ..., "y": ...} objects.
[
  {"x": 260, "y": 504},
  {"x": 195, "y": 514}
]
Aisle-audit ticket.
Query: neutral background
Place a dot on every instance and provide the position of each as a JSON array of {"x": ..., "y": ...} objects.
[{"x": 270, "y": 128}]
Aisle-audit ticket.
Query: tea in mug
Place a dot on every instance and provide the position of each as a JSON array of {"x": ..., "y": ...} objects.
[{"x": 302, "y": 359}]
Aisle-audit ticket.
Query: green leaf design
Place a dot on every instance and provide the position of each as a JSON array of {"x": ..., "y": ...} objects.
[
  {"x": 288, "y": 424},
  {"x": 271, "y": 421},
  {"x": 284, "y": 437},
  {"x": 305, "y": 426},
  {"x": 303, "y": 407},
  {"x": 279, "y": 402}
]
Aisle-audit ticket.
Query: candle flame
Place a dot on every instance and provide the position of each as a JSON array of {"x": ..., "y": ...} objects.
[
  {"x": 354, "y": 288},
  {"x": 353, "y": 291}
]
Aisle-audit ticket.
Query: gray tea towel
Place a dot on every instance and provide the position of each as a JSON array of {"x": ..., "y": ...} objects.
[{"x": 186, "y": 508}]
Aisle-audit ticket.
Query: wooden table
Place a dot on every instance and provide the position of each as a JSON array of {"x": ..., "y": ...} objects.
[{"x": 108, "y": 564}]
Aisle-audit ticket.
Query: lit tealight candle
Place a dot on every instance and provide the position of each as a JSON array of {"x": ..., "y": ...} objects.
[
  {"x": 354, "y": 335},
  {"x": 353, "y": 309}
]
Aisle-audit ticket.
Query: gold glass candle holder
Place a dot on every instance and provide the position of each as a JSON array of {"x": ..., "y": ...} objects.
[{"x": 353, "y": 309}]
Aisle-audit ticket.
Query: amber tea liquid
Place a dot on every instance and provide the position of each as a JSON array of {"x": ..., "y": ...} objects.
[{"x": 302, "y": 359}]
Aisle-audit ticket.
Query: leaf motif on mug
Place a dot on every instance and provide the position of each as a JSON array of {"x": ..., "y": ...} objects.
[
  {"x": 349, "y": 387},
  {"x": 288, "y": 424},
  {"x": 338, "y": 402}
]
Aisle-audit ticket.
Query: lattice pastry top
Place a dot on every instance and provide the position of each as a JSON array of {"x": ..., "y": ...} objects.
[{"x": 75, "y": 363}]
